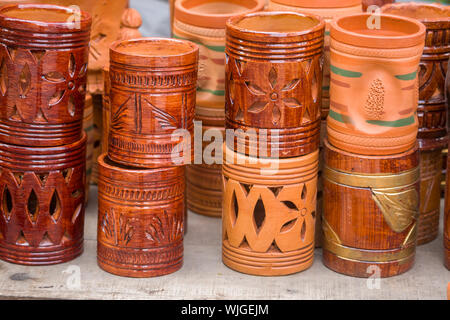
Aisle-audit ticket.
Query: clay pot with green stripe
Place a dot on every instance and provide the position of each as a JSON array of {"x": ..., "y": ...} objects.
[{"x": 374, "y": 83}]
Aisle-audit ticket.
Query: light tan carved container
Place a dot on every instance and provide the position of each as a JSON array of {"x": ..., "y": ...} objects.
[
  {"x": 269, "y": 210},
  {"x": 432, "y": 109},
  {"x": 204, "y": 22},
  {"x": 88, "y": 127}
]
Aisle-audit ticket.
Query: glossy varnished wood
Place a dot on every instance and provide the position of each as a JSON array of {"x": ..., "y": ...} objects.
[
  {"x": 42, "y": 201},
  {"x": 153, "y": 84},
  {"x": 43, "y": 72},
  {"x": 370, "y": 224},
  {"x": 140, "y": 219},
  {"x": 274, "y": 81}
]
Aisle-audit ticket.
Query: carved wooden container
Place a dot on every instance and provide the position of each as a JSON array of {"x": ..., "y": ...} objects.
[
  {"x": 374, "y": 84},
  {"x": 328, "y": 10},
  {"x": 432, "y": 109},
  {"x": 447, "y": 221},
  {"x": 153, "y": 84},
  {"x": 42, "y": 74},
  {"x": 88, "y": 127},
  {"x": 269, "y": 212},
  {"x": 371, "y": 207},
  {"x": 42, "y": 192},
  {"x": 274, "y": 82},
  {"x": 140, "y": 219}
]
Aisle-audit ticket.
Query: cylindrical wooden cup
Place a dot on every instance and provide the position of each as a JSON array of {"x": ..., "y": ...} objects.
[
  {"x": 140, "y": 219},
  {"x": 43, "y": 67},
  {"x": 447, "y": 221},
  {"x": 432, "y": 109},
  {"x": 152, "y": 96},
  {"x": 269, "y": 212},
  {"x": 274, "y": 83},
  {"x": 328, "y": 10},
  {"x": 88, "y": 127},
  {"x": 42, "y": 192},
  {"x": 371, "y": 207},
  {"x": 374, "y": 83}
]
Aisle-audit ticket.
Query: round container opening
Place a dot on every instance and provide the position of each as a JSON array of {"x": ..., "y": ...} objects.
[
  {"x": 154, "y": 48},
  {"x": 389, "y": 26},
  {"x": 277, "y": 23},
  {"x": 218, "y": 7},
  {"x": 419, "y": 11},
  {"x": 38, "y": 13}
]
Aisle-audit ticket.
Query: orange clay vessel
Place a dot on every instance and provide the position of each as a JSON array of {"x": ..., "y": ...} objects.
[
  {"x": 371, "y": 207},
  {"x": 432, "y": 110},
  {"x": 374, "y": 83},
  {"x": 269, "y": 212}
]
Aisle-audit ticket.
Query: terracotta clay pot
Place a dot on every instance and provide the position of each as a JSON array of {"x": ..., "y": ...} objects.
[
  {"x": 374, "y": 84},
  {"x": 274, "y": 82},
  {"x": 204, "y": 22},
  {"x": 371, "y": 207},
  {"x": 42, "y": 192},
  {"x": 152, "y": 94},
  {"x": 328, "y": 10},
  {"x": 140, "y": 219},
  {"x": 432, "y": 109},
  {"x": 269, "y": 214},
  {"x": 204, "y": 181},
  {"x": 42, "y": 74},
  {"x": 367, "y": 3},
  {"x": 88, "y": 127}
]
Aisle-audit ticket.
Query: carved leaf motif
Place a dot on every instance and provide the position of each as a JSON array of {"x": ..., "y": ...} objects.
[
  {"x": 54, "y": 76},
  {"x": 7, "y": 203},
  {"x": 399, "y": 208},
  {"x": 72, "y": 65},
  {"x": 292, "y": 103},
  {"x": 257, "y": 107},
  {"x": 25, "y": 81},
  {"x": 254, "y": 89},
  {"x": 303, "y": 231},
  {"x": 291, "y": 85},
  {"x": 259, "y": 215},
  {"x": 56, "y": 98},
  {"x": 288, "y": 226},
  {"x": 239, "y": 114},
  {"x": 276, "y": 114},
  {"x": 290, "y": 205},
  {"x": 273, "y": 77},
  {"x": 239, "y": 68},
  {"x": 71, "y": 106},
  {"x": 164, "y": 229},
  {"x": 55, "y": 207},
  {"x": 3, "y": 78},
  {"x": 33, "y": 206},
  {"x": 83, "y": 71}
]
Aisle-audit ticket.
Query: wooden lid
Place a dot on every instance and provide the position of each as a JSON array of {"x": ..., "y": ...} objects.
[
  {"x": 319, "y": 4},
  {"x": 395, "y": 32},
  {"x": 213, "y": 13},
  {"x": 44, "y": 18},
  {"x": 154, "y": 52}
]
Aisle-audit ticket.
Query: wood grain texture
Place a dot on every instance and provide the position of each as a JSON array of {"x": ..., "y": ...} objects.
[
  {"x": 42, "y": 75},
  {"x": 370, "y": 212},
  {"x": 141, "y": 219},
  {"x": 151, "y": 97},
  {"x": 374, "y": 85},
  {"x": 88, "y": 127},
  {"x": 269, "y": 216},
  {"x": 42, "y": 199},
  {"x": 274, "y": 83},
  {"x": 447, "y": 222}
]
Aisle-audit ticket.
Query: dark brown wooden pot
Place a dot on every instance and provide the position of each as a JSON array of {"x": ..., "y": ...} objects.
[
  {"x": 274, "y": 81},
  {"x": 140, "y": 219},
  {"x": 153, "y": 86},
  {"x": 42, "y": 201},
  {"x": 432, "y": 109},
  {"x": 43, "y": 68},
  {"x": 371, "y": 207}
]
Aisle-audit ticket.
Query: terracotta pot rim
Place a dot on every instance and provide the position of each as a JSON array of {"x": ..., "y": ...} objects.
[
  {"x": 188, "y": 57},
  {"x": 418, "y": 5},
  {"x": 358, "y": 39},
  {"x": 319, "y": 4},
  {"x": 267, "y": 36},
  {"x": 212, "y": 21},
  {"x": 43, "y": 26}
]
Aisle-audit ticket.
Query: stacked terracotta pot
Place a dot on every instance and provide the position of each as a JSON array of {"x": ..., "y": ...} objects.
[
  {"x": 328, "y": 10},
  {"x": 274, "y": 84},
  {"x": 203, "y": 22},
  {"x": 371, "y": 169},
  {"x": 432, "y": 111},
  {"x": 141, "y": 187},
  {"x": 43, "y": 73}
]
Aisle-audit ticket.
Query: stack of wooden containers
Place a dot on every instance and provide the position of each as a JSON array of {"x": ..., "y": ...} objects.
[
  {"x": 43, "y": 70},
  {"x": 141, "y": 183}
]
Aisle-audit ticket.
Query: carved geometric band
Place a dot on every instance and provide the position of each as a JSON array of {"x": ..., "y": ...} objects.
[
  {"x": 378, "y": 53},
  {"x": 366, "y": 255},
  {"x": 142, "y": 148},
  {"x": 153, "y": 81},
  {"x": 366, "y": 180}
]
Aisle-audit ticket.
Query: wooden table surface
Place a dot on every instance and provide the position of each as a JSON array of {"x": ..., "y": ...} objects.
[{"x": 203, "y": 275}]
